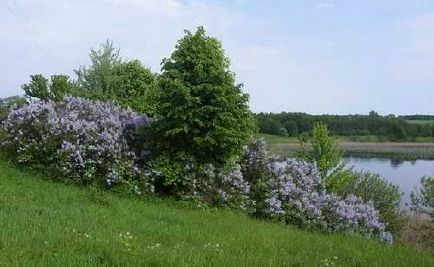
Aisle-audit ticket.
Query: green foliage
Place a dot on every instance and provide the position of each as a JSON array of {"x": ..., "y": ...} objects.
[
  {"x": 202, "y": 112},
  {"x": 422, "y": 200},
  {"x": 109, "y": 78},
  {"x": 326, "y": 151},
  {"x": 326, "y": 154},
  {"x": 134, "y": 86},
  {"x": 385, "y": 196},
  {"x": 96, "y": 80},
  {"x": 171, "y": 175},
  {"x": 388, "y": 128},
  {"x": 274, "y": 127},
  {"x": 54, "y": 88}
]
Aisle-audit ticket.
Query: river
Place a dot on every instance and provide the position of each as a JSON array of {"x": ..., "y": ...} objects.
[{"x": 405, "y": 174}]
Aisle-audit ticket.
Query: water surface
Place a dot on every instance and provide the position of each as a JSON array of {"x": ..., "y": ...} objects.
[{"x": 406, "y": 174}]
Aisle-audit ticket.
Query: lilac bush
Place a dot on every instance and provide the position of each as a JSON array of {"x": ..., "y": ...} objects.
[
  {"x": 295, "y": 193},
  {"x": 224, "y": 187},
  {"x": 81, "y": 140}
]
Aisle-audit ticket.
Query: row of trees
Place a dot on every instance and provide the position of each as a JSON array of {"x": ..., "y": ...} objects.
[
  {"x": 108, "y": 78},
  {"x": 389, "y": 127}
]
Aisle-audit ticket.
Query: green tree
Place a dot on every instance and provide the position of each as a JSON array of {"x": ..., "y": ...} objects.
[
  {"x": 203, "y": 112},
  {"x": 128, "y": 83},
  {"x": 326, "y": 151},
  {"x": 54, "y": 88},
  {"x": 134, "y": 86},
  {"x": 327, "y": 155},
  {"x": 97, "y": 79}
]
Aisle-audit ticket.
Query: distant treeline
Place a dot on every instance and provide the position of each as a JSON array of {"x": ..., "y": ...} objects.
[
  {"x": 418, "y": 117},
  {"x": 387, "y": 127}
]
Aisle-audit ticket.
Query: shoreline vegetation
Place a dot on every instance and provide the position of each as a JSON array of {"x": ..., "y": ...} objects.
[{"x": 421, "y": 149}]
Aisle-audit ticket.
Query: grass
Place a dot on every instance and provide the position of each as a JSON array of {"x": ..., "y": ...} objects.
[
  {"x": 423, "y": 148},
  {"x": 44, "y": 223}
]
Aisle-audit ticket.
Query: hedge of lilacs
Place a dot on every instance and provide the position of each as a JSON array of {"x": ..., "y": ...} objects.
[
  {"x": 78, "y": 139},
  {"x": 294, "y": 192},
  {"x": 90, "y": 142}
]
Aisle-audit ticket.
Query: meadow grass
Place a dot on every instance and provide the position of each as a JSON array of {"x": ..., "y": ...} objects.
[
  {"x": 423, "y": 148},
  {"x": 420, "y": 121},
  {"x": 46, "y": 223}
]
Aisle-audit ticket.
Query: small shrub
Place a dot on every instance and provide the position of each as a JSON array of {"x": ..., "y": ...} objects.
[
  {"x": 384, "y": 195},
  {"x": 254, "y": 166},
  {"x": 187, "y": 179},
  {"x": 422, "y": 200},
  {"x": 419, "y": 231},
  {"x": 327, "y": 155},
  {"x": 80, "y": 140}
]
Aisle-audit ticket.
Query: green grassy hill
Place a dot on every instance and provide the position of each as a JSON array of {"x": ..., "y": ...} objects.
[{"x": 44, "y": 223}]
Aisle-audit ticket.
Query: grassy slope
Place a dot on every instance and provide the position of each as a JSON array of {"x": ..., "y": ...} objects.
[{"x": 45, "y": 223}]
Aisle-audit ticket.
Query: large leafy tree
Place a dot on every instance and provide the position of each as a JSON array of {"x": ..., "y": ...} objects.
[
  {"x": 203, "y": 112},
  {"x": 108, "y": 77},
  {"x": 134, "y": 86},
  {"x": 96, "y": 79}
]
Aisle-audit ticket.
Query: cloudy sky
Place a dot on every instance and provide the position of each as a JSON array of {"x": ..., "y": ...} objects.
[{"x": 316, "y": 56}]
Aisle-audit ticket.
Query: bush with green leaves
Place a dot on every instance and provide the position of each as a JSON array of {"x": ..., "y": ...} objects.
[
  {"x": 255, "y": 169},
  {"x": 134, "y": 86},
  {"x": 384, "y": 195},
  {"x": 186, "y": 179},
  {"x": 422, "y": 199},
  {"x": 294, "y": 191},
  {"x": 202, "y": 113}
]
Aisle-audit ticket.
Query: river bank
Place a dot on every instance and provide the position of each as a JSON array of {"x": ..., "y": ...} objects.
[{"x": 285, "y": 146}]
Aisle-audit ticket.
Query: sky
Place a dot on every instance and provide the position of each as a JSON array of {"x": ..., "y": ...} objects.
[{"x": 319, "y": 56}]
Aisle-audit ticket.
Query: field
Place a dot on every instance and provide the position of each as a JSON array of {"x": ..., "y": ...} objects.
[
  {"x": 46, "y": 223},
  {"x": 421, "y": 121},
  {"x": 423, "y": 149}
]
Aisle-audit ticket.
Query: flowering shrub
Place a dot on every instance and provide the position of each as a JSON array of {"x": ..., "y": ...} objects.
[
  {"x": 207, "y": 183},
  {"x": 295, "y": 193},
  {"x": 80, "y": 140},
  {"x": 224, "y": 187}
]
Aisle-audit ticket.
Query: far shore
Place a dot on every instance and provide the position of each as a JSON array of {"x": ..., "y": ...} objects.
[{"x": 395, "y": 150}]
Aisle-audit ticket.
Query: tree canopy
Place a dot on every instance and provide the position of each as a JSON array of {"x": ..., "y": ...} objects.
[{"x": 203, "y": 112}]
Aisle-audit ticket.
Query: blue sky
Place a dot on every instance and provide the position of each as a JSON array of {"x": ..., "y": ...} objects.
[{"x": 324, "y": 56}]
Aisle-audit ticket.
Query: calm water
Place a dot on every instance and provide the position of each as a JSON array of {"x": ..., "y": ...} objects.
[{"x": 406, "y": 174}]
